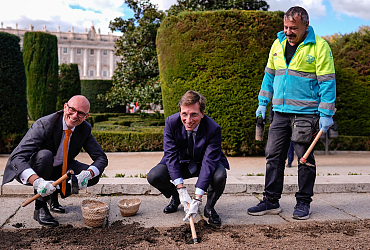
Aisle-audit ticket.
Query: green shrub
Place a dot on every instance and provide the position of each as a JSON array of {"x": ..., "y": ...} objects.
[
  {"x": 13, "y": 103},
  {"x": 69, "y": 83},
  {"x": 129, "y": 141},
  {"x": 352, "y": 63},
  {"x": 91, "y": 88},
  {"x": 40, "y": 58},
  {"x": 9, "y": 142},
  {"x": 221, "y": 54},
  {"x": 347, "y": 143}
]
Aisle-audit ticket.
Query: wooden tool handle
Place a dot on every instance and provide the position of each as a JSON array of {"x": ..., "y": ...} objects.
[
  {"x": 57, "y": 182},
  {"x": 192, "y": 227},
  {"x": 305, "y": 156}
]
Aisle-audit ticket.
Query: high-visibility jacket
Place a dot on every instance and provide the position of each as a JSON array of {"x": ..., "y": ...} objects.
[{"x": 305, "y": 86}]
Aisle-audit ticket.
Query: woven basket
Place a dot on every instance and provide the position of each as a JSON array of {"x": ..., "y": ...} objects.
[
  {"x": 129, "y": 207},
  {"x": 94, "y": 212}
]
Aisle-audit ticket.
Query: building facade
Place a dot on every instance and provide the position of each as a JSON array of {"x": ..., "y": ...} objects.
[{"x": 92, "y": 51}]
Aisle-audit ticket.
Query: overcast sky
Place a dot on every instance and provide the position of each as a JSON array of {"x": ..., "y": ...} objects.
[{"x": 326, "y": 16}]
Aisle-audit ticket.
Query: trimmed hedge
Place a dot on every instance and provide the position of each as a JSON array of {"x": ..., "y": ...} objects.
[
  {"x": 69, "y": 83},
  {"x": 40, "y": 58},
  {"x": 221, "y": 54},
  {"x": 129, "y": 142},
  {"x": 352, "y": 63},
  {"x": 91, "y": 88},
  {"x": 13, "y": 103}
]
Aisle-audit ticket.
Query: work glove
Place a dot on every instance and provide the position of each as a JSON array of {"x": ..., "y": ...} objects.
[
  {"x": 184, "y": 198},
  {"x": 261, "y": 110},
  {"x": 43, "y": 188},
  {"x": 83, "y": 178},
  {"x": 193, "y": 210},
  {"x": 325, "y": 123}
]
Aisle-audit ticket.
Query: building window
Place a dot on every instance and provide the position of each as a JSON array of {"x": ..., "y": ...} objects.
[
  {"x": 91, "y": 52},
  {"x": 105, "y": 73},
  {"x": 78, "y": 51},
  {"x": 65, "y": 50},
  {"x": 91, "y": 72},
  {"x": 105, "y": 52}
]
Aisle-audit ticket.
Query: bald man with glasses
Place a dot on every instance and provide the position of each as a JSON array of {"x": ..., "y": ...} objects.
[{"x": 39, "y": 158}]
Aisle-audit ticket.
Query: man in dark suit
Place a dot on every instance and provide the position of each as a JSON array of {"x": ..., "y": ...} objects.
[
  {"x": 38, "y": 158},
  {"x": 192, "y": 148}
]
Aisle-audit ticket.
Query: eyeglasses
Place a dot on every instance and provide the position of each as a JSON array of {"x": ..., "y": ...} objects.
[{"x": 80, "y": 114}]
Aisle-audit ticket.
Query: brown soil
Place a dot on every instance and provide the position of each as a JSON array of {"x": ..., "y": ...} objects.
[{"x": 304, "y": 235}]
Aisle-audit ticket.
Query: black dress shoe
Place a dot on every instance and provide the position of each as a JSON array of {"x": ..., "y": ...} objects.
[
  {"x": 212, "y": 216},
  {"x": 56, "y": 207},
  {"x": 43, "y": 216},
  {"x": 172, "y": 207}
]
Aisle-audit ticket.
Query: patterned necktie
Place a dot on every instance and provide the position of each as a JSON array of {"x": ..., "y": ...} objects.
[
  {"x": 65, "y": 158},
  {"x": 192, "y": 164}
]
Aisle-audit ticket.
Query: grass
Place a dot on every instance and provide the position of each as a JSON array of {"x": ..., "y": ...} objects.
[
  {"x": 130, "y": 124},
  {"x": 353, "y": 173},
  {"x": 131, "y": 176},
  {"x": 252, "y": 174}
]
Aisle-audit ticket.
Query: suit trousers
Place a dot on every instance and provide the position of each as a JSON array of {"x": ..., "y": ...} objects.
[
  {"x": 160, "y": 178},
  {"x": 276, "y": 151},
  {"x": 42, "y": 163}
]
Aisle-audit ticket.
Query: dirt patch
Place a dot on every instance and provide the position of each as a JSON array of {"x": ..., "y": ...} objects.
[{"x": 300, "y": 235}]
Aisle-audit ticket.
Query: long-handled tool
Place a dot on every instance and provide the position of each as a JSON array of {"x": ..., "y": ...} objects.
[
  {"x": 57, "y": 182},
  {"x": 192, "y": 227},
  {"x": 303, "y": 159}
]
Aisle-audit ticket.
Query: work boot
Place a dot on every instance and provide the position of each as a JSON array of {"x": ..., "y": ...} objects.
[
  {"x": 213, "y": 217},
  {"x": 172, "y": 207},
  {"x": 54, "y": 204},
  {"x": 43, "y": 216}
]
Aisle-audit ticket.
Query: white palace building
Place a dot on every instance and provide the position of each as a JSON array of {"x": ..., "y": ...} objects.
[{"x": 92, "y": 51}]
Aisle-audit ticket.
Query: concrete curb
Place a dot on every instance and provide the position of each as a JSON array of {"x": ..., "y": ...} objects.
[{"x": 235, "y": 185}]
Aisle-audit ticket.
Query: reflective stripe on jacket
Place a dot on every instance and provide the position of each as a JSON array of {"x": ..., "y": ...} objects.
[{"x": 305, "y": 86}]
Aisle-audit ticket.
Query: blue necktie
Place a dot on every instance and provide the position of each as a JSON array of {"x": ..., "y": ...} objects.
[{"x": 192, "y": 163}]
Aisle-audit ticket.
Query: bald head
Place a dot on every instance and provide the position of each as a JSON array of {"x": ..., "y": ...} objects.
[
  {"x": 76, "y": 110},
  {"x": 80, "y": 101}
]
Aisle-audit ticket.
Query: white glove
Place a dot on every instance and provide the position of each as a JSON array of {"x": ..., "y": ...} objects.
[
  {"x": 193, "y": 210},
  {"x": 43, "y": 188},
  {"x": 184, "y": 198},
  {"x": 83, "y": 178}
]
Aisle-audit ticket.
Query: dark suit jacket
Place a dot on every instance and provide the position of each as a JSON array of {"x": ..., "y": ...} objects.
[
  {"x": 207, "y": 148},
  {"x": 46, "y": 133}
]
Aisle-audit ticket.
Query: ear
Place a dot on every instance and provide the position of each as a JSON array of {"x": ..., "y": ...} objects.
[
  {"x": 307, "y": 24},
  {"x": 202, "y": 114}
]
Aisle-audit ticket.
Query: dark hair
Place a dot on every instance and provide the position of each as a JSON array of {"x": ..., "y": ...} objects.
[
  {"x": 297, "y": 11},
  {"x": 191, "y": 97}
]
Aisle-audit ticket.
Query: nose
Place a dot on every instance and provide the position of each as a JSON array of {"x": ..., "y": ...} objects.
[{"x": 75, "y": 115}]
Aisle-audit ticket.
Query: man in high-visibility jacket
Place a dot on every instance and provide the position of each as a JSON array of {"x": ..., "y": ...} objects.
[{"x": 300, "y": 80}]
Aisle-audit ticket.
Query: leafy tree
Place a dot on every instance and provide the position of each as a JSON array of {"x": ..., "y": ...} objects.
[
  {"x": 137, "y": 76},
  {"x": 69, "y": 83},
  {"x": 201, "y": 5}
]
